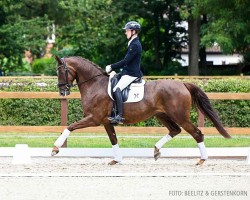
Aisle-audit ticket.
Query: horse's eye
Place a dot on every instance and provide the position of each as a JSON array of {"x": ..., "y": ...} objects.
[{"x": 59, "y": 72}]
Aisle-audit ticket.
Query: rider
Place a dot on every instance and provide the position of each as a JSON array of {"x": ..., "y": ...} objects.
[{"x": 130, "y": 65}]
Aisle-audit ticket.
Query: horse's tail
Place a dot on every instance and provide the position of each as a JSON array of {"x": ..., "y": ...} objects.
[{"x": 201, "y": 101}]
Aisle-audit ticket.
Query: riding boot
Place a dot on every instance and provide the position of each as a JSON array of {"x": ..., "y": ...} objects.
[{"x": 118, "y": 119}]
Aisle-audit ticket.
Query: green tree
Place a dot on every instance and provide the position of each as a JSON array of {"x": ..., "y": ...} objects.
[
  {"x": 229, "y": 26},
  {"x": 95, "y": 31},
  {"x": 20, "y": 32},
  {"x": 162, "y": 35},
  {"x": 192, "y": 12},
  {"x": 225, "y": 23},
  {"x": 91, "y": 31}
]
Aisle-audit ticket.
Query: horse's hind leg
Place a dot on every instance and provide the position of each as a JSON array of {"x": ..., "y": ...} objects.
[
  {"x": 113, "y": 139},
  {"x": 173, "y": 128},
  {"x": 199, "y": 137}
]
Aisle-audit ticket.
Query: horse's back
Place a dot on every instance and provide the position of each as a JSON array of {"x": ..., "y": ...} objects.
[
  {"x": 163, "y": 96},
  {"x": 167, "y": 87}
]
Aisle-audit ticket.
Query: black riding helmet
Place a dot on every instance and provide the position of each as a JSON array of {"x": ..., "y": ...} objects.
[{"x": 132, "y": 25}]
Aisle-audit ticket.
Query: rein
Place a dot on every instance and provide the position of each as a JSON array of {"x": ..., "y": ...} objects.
[
  {"x": 82, "y": 82},
  {"x": 66, "y": 69}
]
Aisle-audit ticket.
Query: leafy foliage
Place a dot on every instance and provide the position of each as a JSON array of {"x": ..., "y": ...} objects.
[
  {"x": 20, "y": 32},
  {"x": 45, "y": 66},
  {"x": 37, "y": 112},
  {"x": 93, "y": 29},
  {"x": 229, "y": 26}
]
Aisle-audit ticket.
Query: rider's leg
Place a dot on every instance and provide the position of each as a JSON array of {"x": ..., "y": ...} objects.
[
  {"x": 123, "y": 83},
  {"x": 119, "y": 105}
]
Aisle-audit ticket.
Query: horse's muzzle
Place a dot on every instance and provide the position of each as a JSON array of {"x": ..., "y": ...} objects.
[{"x": 64, "y": 92}]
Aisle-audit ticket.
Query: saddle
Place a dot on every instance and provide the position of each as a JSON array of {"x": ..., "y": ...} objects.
[{"x": 133, "y": 93}]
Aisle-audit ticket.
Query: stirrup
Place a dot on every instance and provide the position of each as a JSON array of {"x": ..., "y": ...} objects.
[{"x": 116, "y": 120}]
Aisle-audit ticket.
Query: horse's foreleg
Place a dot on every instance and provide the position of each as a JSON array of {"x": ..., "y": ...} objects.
[
  {"x": 159, "y": 145},
  {"x": 86, "y": 122},
  {"x": 59, "y": 142},
  {"x": 113, "y": 139}
]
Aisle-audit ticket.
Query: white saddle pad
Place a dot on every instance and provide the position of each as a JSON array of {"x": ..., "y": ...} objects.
[{"x": 136, "y": 92}]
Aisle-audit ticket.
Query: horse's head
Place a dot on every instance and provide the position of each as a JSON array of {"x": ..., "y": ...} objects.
[{"x": 66, "y": 76}]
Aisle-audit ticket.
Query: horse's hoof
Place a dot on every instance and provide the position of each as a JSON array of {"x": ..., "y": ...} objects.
[
  {"x": 113, "y": 162},
  {"x": 157, "y": 154},
  {"x": 200, "y": 162},
  {"x": 55, "y": 151}
]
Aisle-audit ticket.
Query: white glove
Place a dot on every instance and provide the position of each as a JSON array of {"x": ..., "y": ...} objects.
[{"x": 108, "y": 68}]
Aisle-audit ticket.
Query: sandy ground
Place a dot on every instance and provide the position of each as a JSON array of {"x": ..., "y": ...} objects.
[{"x": 136, "y": 178}]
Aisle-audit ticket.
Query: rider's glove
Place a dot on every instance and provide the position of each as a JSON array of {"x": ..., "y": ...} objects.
[{"x": 108, "y": 69}]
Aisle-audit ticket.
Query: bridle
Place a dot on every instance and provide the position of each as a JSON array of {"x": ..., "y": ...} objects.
[{"x": 67, "y": 72}]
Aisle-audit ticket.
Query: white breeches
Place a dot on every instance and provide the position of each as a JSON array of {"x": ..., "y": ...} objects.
[{"x": 124, "y": 82}]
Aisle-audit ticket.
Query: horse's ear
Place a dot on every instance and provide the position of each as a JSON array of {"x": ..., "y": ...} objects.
[{"x": 59, "y": 60}]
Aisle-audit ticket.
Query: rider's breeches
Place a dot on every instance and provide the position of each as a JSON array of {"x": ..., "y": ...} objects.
[{"x": 124, "y": 82}]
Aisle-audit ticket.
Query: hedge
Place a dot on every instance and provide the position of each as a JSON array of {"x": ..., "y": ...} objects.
[{"x": 39, "y": 112}]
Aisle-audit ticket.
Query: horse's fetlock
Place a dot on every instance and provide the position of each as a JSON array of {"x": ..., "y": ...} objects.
[{"x": 198, "y": 138}]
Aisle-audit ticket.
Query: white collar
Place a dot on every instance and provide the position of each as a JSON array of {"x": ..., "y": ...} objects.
[{"x": 133, "y": 37}]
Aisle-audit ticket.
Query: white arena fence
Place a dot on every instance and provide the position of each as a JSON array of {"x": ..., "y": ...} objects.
[{"x": 234, "y": 152}]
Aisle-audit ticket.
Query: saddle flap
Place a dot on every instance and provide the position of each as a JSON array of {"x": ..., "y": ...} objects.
[{"x": 133, "y": 93}]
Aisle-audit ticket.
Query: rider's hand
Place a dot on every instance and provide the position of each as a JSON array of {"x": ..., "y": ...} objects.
[{"x": 108, "y": 68}]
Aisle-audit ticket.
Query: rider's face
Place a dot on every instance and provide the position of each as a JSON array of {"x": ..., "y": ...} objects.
[{"x": 128, "y": 33}]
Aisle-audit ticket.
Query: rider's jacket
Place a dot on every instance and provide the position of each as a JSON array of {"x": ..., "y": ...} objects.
[{"x": 131, "y": 63}]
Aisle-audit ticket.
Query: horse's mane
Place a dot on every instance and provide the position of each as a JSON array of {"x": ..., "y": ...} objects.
[{"x": 88, "y": 61}]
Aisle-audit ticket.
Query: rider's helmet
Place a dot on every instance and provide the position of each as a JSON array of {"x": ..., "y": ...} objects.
[{"x": 132, "y": 25}]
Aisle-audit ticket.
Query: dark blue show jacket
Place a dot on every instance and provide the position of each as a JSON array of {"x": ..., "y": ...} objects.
[{"x": 131, "y": 62}]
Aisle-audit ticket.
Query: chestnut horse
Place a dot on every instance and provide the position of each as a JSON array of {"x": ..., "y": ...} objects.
[{"x": 169, "y": 101}]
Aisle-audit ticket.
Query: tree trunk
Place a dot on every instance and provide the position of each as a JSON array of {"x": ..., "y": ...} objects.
[
  {"x": 194, "y": 42},
  {"x": 202, "y": 53},
  {"x": 203, "y": 60}
]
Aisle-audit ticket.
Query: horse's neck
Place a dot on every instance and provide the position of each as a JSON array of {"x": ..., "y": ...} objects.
[
  {"x": 90, "y": 78},
  {"x": 94, "y": 85},
  {"x": 85, "y": 75},
  {"x": 84, "y": 69}
]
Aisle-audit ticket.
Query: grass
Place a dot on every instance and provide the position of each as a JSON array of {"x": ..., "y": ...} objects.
[{"x": 83, "y": 141}]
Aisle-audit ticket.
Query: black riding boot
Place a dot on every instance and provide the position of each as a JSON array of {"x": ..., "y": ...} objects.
[{"x": 118, "y": 119}]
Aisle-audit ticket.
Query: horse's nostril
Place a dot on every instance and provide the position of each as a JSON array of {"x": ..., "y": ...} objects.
[
  {"x": 61, "y": 93},
  {"x": 64, "y": 92}
]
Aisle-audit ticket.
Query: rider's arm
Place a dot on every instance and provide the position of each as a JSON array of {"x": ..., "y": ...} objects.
[{"x": 131, "y": 53}]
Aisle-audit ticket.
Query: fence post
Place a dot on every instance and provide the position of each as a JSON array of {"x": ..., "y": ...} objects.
[
  {"x": 64, "y": 116},
  {"x": 201, "y": 120}
]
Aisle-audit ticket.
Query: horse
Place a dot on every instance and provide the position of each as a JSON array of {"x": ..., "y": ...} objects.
[{"x": 170, "y": 101}]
